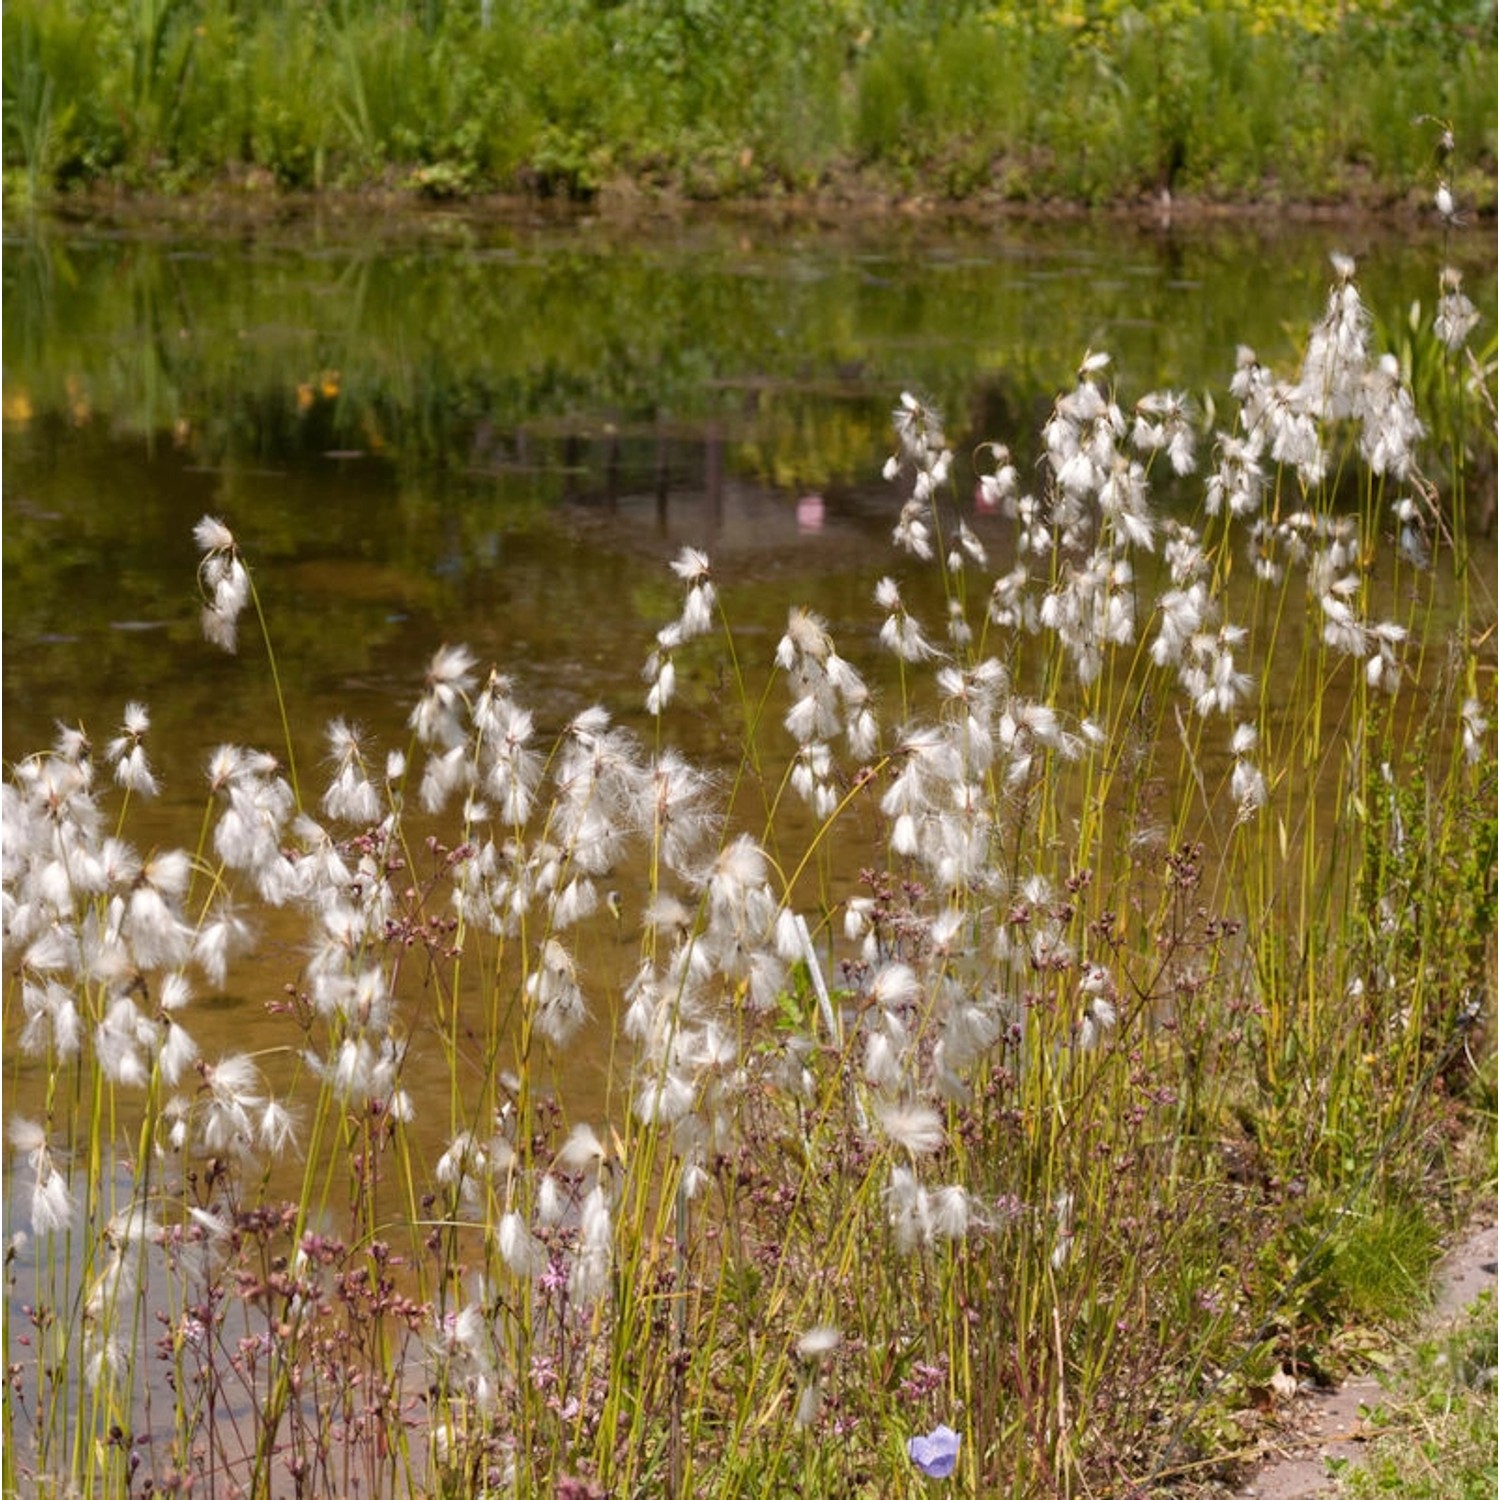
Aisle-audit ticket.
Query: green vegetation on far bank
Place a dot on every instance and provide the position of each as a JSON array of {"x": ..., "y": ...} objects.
[{"x": 1089, "y": 101}]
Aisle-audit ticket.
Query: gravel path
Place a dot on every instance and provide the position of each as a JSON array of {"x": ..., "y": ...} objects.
[{"x": 1330, "y": 1424}]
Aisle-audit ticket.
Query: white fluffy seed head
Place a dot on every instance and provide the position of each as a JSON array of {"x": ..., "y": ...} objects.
[
  {"x": 818, "y": 1343},
  {"x": 212, "y": 535},
  {"x": 917, "y": 1128},
  {"x": 523, "y": 1253},
  {"x": 895, "y": 985},
  {"x": 582, "y": 1151}
]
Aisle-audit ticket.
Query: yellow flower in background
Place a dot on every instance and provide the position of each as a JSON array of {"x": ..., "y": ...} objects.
[
  {"x": 1314, "y": 16},
  {"x": 16, "y": 408},
  {"x": 325, "y": 388}
]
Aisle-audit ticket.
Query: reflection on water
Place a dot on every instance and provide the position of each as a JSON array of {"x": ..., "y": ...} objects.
[
  {"x": 499, "y": 434},
  {"x": 483, "y": 431}
]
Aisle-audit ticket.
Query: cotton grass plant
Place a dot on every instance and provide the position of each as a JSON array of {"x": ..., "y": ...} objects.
[{"x": 1020, "y": 1156}]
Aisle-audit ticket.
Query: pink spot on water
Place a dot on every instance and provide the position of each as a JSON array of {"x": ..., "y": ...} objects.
[{"x": 810, "y": 513}]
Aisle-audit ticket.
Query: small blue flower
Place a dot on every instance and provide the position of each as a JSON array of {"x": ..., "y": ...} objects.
[{"x": 937, "y": 1453}]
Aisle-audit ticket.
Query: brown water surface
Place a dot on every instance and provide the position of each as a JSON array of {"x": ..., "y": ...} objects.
[{"x": 500, "y": 434}]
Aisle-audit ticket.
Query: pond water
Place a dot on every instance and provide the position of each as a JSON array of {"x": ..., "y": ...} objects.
[{"x": 499, "y": 433}]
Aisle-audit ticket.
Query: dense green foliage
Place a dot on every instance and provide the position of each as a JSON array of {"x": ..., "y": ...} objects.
[{"x": 1088, "y": 101}]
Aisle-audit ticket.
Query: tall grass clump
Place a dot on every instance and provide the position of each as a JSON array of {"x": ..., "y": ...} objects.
[
  {"x": 1299, "y": 99},
  {"x": 1021, "y": 1045}
]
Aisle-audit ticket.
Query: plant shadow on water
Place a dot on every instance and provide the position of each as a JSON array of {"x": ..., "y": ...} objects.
[{"x": 969, "y": 954}]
